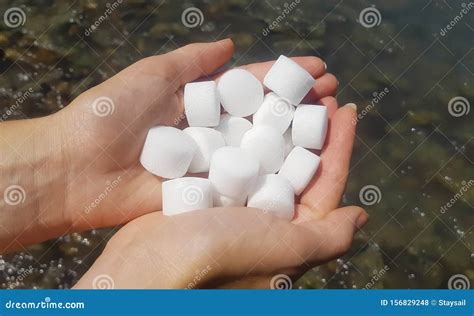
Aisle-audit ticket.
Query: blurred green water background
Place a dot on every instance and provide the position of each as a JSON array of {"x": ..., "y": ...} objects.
[{"x": 411, "y": 77}]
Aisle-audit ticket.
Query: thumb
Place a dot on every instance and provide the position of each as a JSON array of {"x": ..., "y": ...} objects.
[
  {"x": 335, "y": 232},
  {"x": 193, "y": 61}
]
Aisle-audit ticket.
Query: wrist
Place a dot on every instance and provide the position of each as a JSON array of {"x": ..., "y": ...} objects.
[
  {"x": 32, "y": 182},
  {"x": 152, "y": 252}
]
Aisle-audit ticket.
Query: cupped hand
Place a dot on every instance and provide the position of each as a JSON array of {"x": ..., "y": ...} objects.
[
  {"x": 244, "y": 247},
  {"x": 104, "y": 129}
]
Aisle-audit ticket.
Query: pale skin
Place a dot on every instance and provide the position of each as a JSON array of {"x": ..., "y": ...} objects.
[{"x": 64, "y": 161}]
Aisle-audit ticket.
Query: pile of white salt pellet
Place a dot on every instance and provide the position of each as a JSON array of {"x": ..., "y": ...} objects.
[{"x": 250, "y": 153}]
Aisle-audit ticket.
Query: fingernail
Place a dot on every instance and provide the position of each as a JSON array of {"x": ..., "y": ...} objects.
[
  {"x": 352, "y": 106},
  {"x": 362, "y": 220},
  {"x": 325, "y": 66},
  {"x": 224, "y": 40}
]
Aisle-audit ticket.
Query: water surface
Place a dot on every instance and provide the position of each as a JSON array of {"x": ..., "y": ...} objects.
[{"x": 405, "y": 70}]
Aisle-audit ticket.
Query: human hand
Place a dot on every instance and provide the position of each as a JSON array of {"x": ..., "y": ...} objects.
[
  {"x": 241, "y": 247},
  {"x": 84, "y": 170},
  {"x": 144, "y": 95}
]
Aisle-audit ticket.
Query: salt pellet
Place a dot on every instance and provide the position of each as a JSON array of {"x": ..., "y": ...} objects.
[
  {"x": 208, "y": 141},
  {"x": 240, "y": 93},
  {"x": 186, "y": 194},
  {"x": 167, "y": 152},
  {"x": 299, "y": 168},
  {"x": 233, "y": 171},
  {"x": 274, "y": 111},
  {"x": 274, "y": 194},
  {"x": 225, "y": 201},
  {"x": 268, "y": 145},
  {"x": 289, "y": 80},
  {"x": 201, "y": 104},
  {"x": 309, "y": 126},
  {"x": 288, "y": 142},
  {"x": 233, "y": 128}
]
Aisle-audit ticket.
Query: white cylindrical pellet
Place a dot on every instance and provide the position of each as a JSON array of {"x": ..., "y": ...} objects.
[
  {"x": 309, "y": 126},
  {"x": 186, "y": 194},
  {"x": 233, "y": 128},
  {"x": 225, "y": 201},
  {"x": 299, "y": 168},
  {"x": 288, "y": 142},
  {"x": 274, "y": 194},
  {"x": 167, "y": 152},
  {"x": 240, "y": 93},
  {"x": 289, "y": 80},
  {"x": 268, "y": 145},
  {"x": 201, "y": 103},
  {"x": 208, "y": 140},
  {"x": 233, "y": 171},
  {"x": 275, "y": 111}
]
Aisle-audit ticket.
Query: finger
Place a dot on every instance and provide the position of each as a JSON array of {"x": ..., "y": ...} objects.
[
  {"x": 197, "y": 60},
  {"x": 325, "y": 189},
  {"x": 330, "y": 103},
  {"x": 248, "y": 282},
  {"x": 324, "y": 86},
  {"x": 333, "y": 235}
]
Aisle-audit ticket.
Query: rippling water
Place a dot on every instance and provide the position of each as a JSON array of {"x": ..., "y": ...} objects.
[{"x": 410, "y": 74}]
